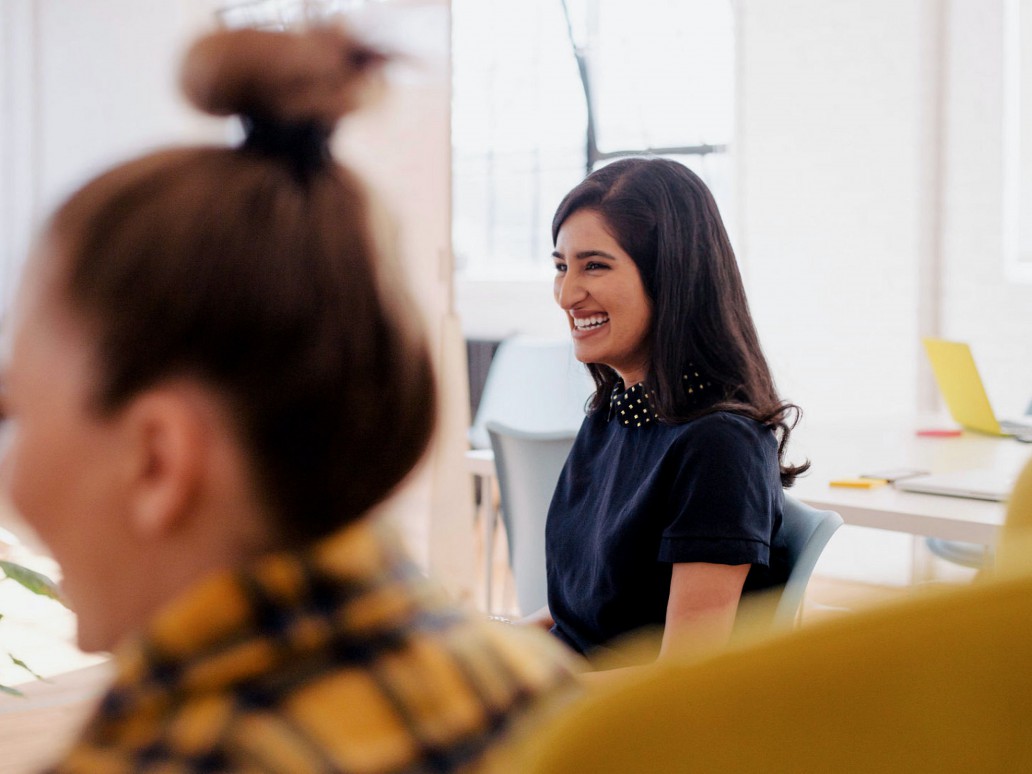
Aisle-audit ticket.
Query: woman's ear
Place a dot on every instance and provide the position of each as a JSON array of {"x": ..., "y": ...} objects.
[{"x": 168, "y": 436}]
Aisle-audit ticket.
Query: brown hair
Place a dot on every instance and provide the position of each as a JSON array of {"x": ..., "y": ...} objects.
[
  {"x": 665, "y": 218},
  {"x": 255, "y": 270}
]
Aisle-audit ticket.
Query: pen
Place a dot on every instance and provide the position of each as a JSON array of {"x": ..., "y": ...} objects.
[{"x": 859, "y": 483}]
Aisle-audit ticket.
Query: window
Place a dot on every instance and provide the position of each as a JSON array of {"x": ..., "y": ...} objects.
[{"x": 661, "y": 78}]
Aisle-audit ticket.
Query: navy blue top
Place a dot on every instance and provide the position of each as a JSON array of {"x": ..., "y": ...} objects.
[{"x": 637, "y": 496}]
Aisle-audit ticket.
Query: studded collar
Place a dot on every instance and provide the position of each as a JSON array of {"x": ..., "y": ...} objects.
[{"x": 633, "y": 409}]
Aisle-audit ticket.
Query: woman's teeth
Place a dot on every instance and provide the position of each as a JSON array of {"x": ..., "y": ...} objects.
[{"x": 587, "y": 323}]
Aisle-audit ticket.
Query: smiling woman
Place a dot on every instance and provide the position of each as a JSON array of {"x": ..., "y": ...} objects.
[{"x": 674, "y": 484}]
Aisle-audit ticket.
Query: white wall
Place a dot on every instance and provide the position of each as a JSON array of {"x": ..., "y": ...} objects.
[
  {"x": 402, "y": 146},
  {"x": 870, "y": 185},
  {"x": 18, "y": 191},
  {"x": 496, "y": 309},
  {"x": 83, "y": 85},
  {"x": 107, "y": 85},
  {"x": 833, "y": 190},
  {"x": 980, "y": 304}
]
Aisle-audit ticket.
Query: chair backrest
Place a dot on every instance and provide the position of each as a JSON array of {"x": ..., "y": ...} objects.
[
  {"x": 805, "y": 531},
  {"x": 528, "y": 466},
  {"x": 1014, "y": 547},
  {"x": 533, "y": 384}
]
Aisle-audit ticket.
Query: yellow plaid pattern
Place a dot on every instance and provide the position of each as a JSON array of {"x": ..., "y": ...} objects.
[{"x": 340, "y": 658}]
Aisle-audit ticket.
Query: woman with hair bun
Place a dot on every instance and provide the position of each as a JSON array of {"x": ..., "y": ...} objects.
[
  {"x": 670, "y": 503},
  {"x": 211, "y": 382}
]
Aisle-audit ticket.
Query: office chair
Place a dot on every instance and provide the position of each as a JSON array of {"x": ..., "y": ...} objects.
[
  {"x": 973, "y": 555},
  {"x": 805, "y": 531},
  {"x": 533, "y": 384},
  {"x": 528, "y": 466}
]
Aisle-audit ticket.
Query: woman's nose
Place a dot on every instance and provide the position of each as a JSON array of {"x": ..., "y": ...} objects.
[{"x": 569, "y": 290}]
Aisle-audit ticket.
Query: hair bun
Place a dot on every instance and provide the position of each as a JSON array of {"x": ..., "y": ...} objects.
[{"x": 316, "y": 75}]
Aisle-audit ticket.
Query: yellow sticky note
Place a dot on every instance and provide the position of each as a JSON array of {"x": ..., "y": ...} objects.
[{"x": 859, "y": 483}]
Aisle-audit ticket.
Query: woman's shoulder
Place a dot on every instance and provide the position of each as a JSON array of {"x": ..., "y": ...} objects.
[
  {"x": 723, "y": 424},
  {"x": 724, "y": 433}
]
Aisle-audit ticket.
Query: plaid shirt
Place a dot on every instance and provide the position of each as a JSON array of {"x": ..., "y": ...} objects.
[{"x": 338, "y": 658}]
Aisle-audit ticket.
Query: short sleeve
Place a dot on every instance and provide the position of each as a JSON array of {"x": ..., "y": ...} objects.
[{"x": 725, "y": 491}]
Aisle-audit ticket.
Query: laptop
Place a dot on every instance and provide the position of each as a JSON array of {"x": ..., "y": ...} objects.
[
  {"x": 964, "y": 393},
  {"x": 980, "y": 484}
]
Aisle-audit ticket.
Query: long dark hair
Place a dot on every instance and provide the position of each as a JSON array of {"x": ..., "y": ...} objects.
[
  {"x": 257, "y": 271},
  {"x": 665, "y": 218}
]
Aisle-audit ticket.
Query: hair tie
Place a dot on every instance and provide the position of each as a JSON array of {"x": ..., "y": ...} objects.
[{"x": 305, "y": 144}]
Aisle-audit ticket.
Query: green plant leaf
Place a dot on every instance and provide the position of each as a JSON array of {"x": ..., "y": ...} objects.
[
  {"x": 19, "y": 663},
  {"x": 36, "y": 582},
  {"x": 10, "y": 691}
]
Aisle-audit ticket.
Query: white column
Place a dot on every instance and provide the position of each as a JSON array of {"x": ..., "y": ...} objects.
[
  {"x": 403, "y": 146},
  {"x": 931, "y": 215},
  {"x": 19, "y": 150}
]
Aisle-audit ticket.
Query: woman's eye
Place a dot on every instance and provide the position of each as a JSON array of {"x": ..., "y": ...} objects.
[
  {"x": 595, "y": 265},
  {"x": 560, "y": 268}
]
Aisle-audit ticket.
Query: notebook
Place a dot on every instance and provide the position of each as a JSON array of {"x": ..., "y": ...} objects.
[
  {"x": 973, "y": 484},
  {"x": 964, "y": 393}
]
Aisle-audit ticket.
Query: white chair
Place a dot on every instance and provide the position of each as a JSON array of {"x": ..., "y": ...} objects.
[
  {"x": 534, "y": 384},
  {"x": 805, "y": 531},
  {"x": 528, "y": 466},
  {"x": 973, "y": 555}
]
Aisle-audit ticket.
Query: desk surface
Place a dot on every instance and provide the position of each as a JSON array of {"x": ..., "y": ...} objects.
[{"x": 848, "y": 449}]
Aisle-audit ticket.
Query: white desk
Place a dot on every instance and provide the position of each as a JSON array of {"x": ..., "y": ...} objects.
[{"x": 849, "y": 449}]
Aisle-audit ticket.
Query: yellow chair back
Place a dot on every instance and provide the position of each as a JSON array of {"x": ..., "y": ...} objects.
[
  {"x": 1014, "y": 550},
  {"x": 942, "y": 683}
]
